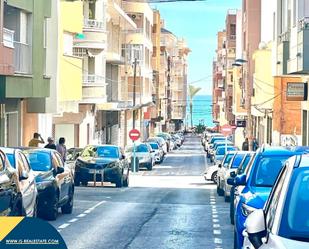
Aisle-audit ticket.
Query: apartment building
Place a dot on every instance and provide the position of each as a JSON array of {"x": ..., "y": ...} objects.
[
  {"x": 138, "y": 46},
  {"x": 23, "y": 82}
]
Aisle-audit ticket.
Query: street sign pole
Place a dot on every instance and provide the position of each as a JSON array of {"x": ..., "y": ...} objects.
[
  {"x": 134, "y": 158},
  {"x": 225, "y": 144}
]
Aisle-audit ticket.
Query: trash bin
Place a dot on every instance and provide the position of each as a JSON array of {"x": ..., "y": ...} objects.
[{"x": 134, "y": 168}]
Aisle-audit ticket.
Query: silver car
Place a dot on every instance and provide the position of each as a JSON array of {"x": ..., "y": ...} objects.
[{"x": 284, "y": 221}]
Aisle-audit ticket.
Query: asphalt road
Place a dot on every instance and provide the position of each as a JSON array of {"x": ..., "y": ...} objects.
[{"x": 169, "y": 207}]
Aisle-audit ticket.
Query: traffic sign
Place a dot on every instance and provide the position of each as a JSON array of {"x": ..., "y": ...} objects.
[
  {"x": 226, "y": 130},
  {"x": 134, "y": 134}
]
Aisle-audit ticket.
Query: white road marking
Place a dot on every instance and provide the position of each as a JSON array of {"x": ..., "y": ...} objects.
[
  {"x": 73, "y": 220},
  {"x": 64, "y": 225},
  {"x": 214, "y": 216},
  {"x": 218, "y": 241},
  {"x": 212, "y": 203},
  {"x": 88, "y": 211},
  {"x": 215, "y": 220},
  {"x": 81, "y": 215},
  {"x": 216, "y": 225},
  {"x": 217, "y": 232},
  {"x": 58, "y": 230}
]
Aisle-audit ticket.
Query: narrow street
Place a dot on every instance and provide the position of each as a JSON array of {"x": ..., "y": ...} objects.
[{"x": 170, "y": 207}]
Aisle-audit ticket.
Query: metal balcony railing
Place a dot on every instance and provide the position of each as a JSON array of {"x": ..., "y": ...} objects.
[
  {"x": 284, "y": 37},
  {"x": 22, "y": 58},
  {"x": 93, "y": 79},
  {"x": 8, "y": 38},
  {"x": 303, "y": 23},
  {"x": 94, "y": 24}
]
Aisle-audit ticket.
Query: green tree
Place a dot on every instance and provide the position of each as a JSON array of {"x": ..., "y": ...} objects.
[{"x": 192, "y": 92}]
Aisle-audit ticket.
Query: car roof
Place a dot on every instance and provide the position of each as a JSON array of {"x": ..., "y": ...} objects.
[
  {"x": 304, "y": 162},
  {"x": 7, "y": 150},
  {"x": 277, "y": 150},
  {"x": 31, "y": 149},
  {"x": 101, "y": 145}
]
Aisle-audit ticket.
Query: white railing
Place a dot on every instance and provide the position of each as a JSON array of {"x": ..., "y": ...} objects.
[
  {"x": 22, "y": 58},
  {"x": 93, "y": 79},
  {"x": 8, "y": 38},
  {"x": 94, "y": 24},
  {"x": 137, "y": 31}
]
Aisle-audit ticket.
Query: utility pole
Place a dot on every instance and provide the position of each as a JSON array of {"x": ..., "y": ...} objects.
[{"x": 134, "y": 91}]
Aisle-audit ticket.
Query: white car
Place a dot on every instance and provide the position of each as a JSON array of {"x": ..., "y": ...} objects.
[
  {"x": 144, "y": 153},
  {"x": 284, "y": 221}
]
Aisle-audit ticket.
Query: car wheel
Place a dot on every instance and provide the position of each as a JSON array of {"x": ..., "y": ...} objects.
[
  {"x": 149, "y": 167},
  {"x": 214, "y": 177},
  {"x": 76, "y": 180},
  {"x": 119, "y": 182},
  {"x": 52, "y": 212},
  {"x": 68, "y": 207},
  {"x": 126, "y": 181}
]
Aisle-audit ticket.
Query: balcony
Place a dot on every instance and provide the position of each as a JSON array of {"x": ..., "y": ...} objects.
[
  {"x": 298, "y": 62},
  {"x": 93, "y": 25},
  {"x": 22, "y": 58},
  {"x": 94, "y": 89},
  {"x": 94, "y": 36}
]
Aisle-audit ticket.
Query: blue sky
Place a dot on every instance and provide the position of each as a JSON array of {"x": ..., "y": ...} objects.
[{"x": 198, "y": 23}]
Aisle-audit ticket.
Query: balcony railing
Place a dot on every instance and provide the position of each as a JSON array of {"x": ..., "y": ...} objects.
[
  {"x": 303, "y": 24},
  {"x": 137, "y": 31},
  {"x": 284, "y": 37},
  {"x": 94, "y": 24},
  {"x": 93, "y": 79},
  {"x": 8, "y": 38},
  {"x": 22, "y": 58}
]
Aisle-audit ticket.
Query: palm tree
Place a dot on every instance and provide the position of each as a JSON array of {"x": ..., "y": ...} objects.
[{"x": 192, "y": 92}]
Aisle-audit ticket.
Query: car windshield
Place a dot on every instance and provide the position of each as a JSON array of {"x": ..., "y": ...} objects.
[
  {"x": 138, "y": 148},
  {"x": 11, "y": 159},
  {"x": 221, "y": 150},
  {"x": 39, "y": 160},
  {"x": 295, "y": 220},
  {"x": 266, "y": 170},
  {"x": 244, "y": 164},
  {"x": 107, "y": 151},
  {"x": 154, "y": 146},
  {"x": 228, "y": 158},
  {"x": 237, "y": 160}
]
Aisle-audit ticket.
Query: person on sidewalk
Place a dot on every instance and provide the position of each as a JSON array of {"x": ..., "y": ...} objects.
[
  {"x": 51, "y": 144},
  {"x": 36, "y": 140},
  {"x": 255, "y": 144},
  {"x": 245, "y": 145},
  {"x": 61, "y": 148}
]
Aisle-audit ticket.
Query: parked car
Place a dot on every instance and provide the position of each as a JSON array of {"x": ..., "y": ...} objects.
[
  {"x": 209, "y": 137},
  {"x": 224, "y": 173},
  {"x": 177, "y": 139},
  {"x": 167, "y": 137},
  {"x": 258, "y": 181},
  {"x": 241, "y": 169},
  {"x": 54, "y": 181},
  {"x": 157, "y": 151},
  {"x": 143, "y": 153},
  {"x": 211, "y": 172},
  {"x": 26, "y": 185},
  {"x": 221, "y": 151},
  {"x": 72, "y": 155},
  {"x": 108, "y": 161},
  {"x": 215, "y": 146},
  {"x": 212, "y": 142},
  {"x": 283, "y": 223},
  {"x": 162, "y": 143}
]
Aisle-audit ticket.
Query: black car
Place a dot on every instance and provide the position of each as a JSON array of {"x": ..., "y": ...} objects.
[
  {"x": 102, "y": 160},
  {"x": 54, "y": 182}
]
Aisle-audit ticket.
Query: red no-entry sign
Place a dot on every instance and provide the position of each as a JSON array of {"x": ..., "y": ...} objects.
[
  {"x": 134, "y": 134},
  {"x": 226, "y": 130}
]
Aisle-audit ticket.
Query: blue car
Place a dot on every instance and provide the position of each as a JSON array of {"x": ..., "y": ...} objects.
[{"x": 256, "y": 184}]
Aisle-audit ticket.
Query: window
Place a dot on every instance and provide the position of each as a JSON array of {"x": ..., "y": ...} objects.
[
  {"x": 39, "y": 161},
  {"x": 67, "y": 43},
  {"x": 56, "y": 162},
  {"x": 233, "y": 29},
  {"x": 274, "y": 200}
]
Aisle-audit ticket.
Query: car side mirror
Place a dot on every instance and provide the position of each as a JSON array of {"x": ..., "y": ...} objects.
[
  {"x": 240, "y": 180},
  {"x": 123, "y": 157},
  {"x": 233, "y": 174},
  {"x": 231, "y": 181},
  {"x": 220, "y": 165},
  {"x": 60, "y": 170},
  {"x": 256, "y": 228},
  {"x": 24, "y": 175}
]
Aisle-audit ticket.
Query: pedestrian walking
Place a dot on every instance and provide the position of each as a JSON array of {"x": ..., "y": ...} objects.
[
  {"x": 51, "y": 144},
  {"x": 255, "y": 144},
  {"x": 245, "y": 145},
  {"x": 36, "y": 140},
  {"x": 61, "y": 148}
]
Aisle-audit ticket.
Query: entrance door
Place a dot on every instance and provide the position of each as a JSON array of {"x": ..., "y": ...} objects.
[{"x": 11, "y": 131}]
